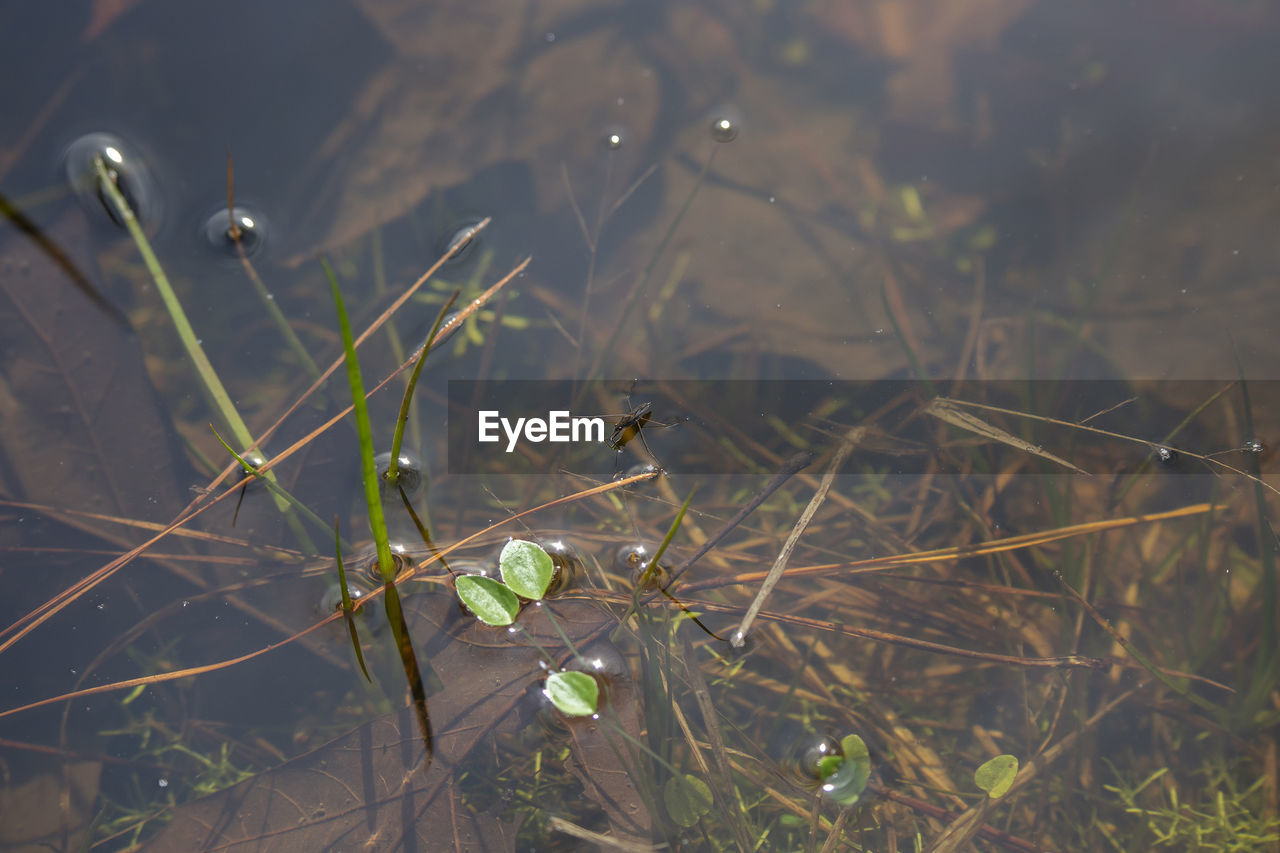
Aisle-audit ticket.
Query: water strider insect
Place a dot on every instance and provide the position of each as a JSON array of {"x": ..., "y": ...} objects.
[
  {"x": 629, "y": 426},
  {"x": 632, "y": 425}
]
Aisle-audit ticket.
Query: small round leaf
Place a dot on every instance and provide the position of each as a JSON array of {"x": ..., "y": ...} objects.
[
  {"x": 526, "y": 568},
  {"x": 574, "y": 693},
  {"x": 687, "y": 797},
  {"x": 489, "y": 600},
  {"x": 844, "y": 776},
  {"x": 996, "y": 776}
]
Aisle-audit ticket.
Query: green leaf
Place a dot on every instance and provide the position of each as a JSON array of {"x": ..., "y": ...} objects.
[
  {"x": 526, "y": 568},
  {"x": 347, "y": 606},
  {"x": 687, "y": 797},
  {"x": 369, "y": 470},
  {"x": 859, "y": 761},
  {"x": 996, "y": 776},
  {"x": 573, "y": 693},
  {"x": 845, "y": 776},
  {"x": 488, "y": 599}
]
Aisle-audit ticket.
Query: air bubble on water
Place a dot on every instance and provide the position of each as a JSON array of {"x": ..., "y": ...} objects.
[
  {"x": 128, "y": 170},
  {"x": 463, "y": 237},
  {"x": 162, "y": 782},
  {"x": 257, "y": 459},
  {"x": 632, "y": 559},
  {"x": 332, "y": 598},
  {"x": 1254, "y": 446},
  {"x": 409, "y": 475},
  {"x": 567, "y": 562},
  {"x": 614, "y": 137},
  {"x": 251, "y": 225},
  {"x": 639, "y": 469},
  {"x": 811, "y": 749},
  {"x": 1167, "y": 456},
  {"x": 726, "y": 123}
]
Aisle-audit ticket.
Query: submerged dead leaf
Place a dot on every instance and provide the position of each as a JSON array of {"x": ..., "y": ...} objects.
[
  {"x": 440, "y": 112},
  {"x": 50, "y": 811},
  {"x": 375, "y": 788},
  {"x": 83, "y": 429}
]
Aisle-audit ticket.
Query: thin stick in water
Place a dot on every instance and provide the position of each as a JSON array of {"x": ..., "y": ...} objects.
[{"x": 739, "y": 637}]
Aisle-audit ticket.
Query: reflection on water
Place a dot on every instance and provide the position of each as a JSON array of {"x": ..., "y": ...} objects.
[{"x": 964, "y": 191}]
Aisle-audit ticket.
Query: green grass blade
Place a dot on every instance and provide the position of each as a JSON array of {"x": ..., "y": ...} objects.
[
  {"x": 393, "y": 468},
  {"x": 208, "y": 376},
  {"x": 209, "y": 381},
  {"x": 423, "y": 526},
  {"x": 282, "y": 497},
  {"x": 652, "y": 569},
  {"x": 377, "y": 521},
  {"x": 395, "y": 615},
  {"x": 347, "y": 607}
]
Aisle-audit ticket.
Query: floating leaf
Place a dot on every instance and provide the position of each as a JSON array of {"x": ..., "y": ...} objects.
[
  {"x": 996, "y": 776},
  {"x": 488, "y": 599},
  {"x": 574, "y": 693},
  {"x": 844, "y": 777},
  {"x": 687, "y": 797},
  {"x": 856, "y": 754},
  {"x": 526, "y": 568}
]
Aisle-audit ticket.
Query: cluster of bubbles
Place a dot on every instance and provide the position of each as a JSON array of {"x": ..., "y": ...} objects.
[
  {"x": 725, "y": 124},
  {"x": 221, "y": 231},
  {"x": 1168, "y": 457},
  {"x": 128, "y": 170}
]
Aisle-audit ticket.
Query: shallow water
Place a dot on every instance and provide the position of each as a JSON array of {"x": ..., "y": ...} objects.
[{"x": 977, "y": 191}]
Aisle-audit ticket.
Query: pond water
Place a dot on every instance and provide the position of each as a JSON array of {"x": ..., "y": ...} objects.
[{"x": 1006, "y": 268}]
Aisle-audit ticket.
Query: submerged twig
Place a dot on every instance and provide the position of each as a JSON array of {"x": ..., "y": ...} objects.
[
  {"x": 738, "y": 638},
  {"x": 790, "y": 468}
]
